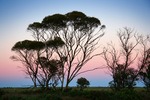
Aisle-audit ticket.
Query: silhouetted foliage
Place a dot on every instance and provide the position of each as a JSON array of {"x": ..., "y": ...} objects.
[
  {"x": 82, "y": 83},
  {"x": 71, "y": 38},
  {"x": 120, "y": 62},
  {"x": 29, "y": 53},
  {"x": 1, "y": 92},
  {"x": 122, "y": 79},
  {"x": 126, "y": 94},
  {"x": 144, "y": 61},
  {"x": 145, "y": 76},
  {"x": 145, "y": 72},
  {"x": 28, "y": 45},
  {"x": 57, "y": 42}
]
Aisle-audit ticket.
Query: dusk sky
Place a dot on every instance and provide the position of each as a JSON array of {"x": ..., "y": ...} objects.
[{"x": 16, "y": 15}]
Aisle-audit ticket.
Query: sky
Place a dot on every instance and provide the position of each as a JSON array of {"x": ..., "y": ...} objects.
[{"x": 16, "y": 15}]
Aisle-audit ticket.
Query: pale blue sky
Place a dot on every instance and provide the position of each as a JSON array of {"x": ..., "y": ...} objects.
[{"x": 16, "y": 15}]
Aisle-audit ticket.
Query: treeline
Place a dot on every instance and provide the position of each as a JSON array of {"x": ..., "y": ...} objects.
[{"x": 63, "y": 44}]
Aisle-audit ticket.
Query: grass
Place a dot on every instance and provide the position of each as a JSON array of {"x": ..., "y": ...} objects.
[{"x": 90, "y": 93}]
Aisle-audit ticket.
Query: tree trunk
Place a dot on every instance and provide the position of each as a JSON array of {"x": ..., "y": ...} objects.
[
  {"x": 67, "y": 85},
  {"x": 62, "y": 83},
  {"x": 35, "y": 84},
  {"x": 47, "y": 84}
]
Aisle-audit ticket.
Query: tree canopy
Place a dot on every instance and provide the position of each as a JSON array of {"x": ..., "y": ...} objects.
[{"x": 68, "y": 38}]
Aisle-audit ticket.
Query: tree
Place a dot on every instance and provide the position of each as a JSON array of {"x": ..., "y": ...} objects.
[
  {"x": 144, "y": 64},
  {"x": 120, "y": 63},
  {"x": 122, "y": 79},
  {"x": 50, "y": 70},
  {"x": 82, "y": 83},
  {"x": 76, "y": 38},
  {"x": 27, "y": 55},
  {"x": 145, "y": 76},
  {"x": 81, "y": 35},
  {"x": 37, "y": 67}
]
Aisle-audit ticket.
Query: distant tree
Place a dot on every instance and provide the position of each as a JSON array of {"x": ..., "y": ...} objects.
[
  {"x": 122, "y": 79},
  {"x": 82, "y": 83},
  {"x": 145, "y": 76},
  {"x": 120, "y": 63},
  {"x": 144, "y": 64}
]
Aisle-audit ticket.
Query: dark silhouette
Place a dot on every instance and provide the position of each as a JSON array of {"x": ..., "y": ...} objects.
[
  {"x": 71, "y": 39},
  {"x": 82, "y": 83},
  {"x": 145, "y": 76},
  {"x": 80, "y": 34},
  {"x": 123, "y": 78},
  {"x": 120, "y": 62},
  {"x": 144, "y": 64},
  {"x": 36, "y": 66}
]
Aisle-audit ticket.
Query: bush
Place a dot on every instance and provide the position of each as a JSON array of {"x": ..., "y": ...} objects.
[
  {"x": 126, "y": 94},
  {"x": 16, "y": 98},
  {"x": 68, "y": 89},
  {"x": 99, "y": 95},
  {"x": 1, "y": 92},
  {"x": 92, "y": 95},
  {"x": 74, "y": 93},
  {"x": 52, "y": 97},
  {"x": 82, "y": 83}
]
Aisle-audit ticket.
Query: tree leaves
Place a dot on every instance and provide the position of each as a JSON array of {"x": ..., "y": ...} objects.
[
  {"x": 37, "y": 45},
  {"x": 28, "y": 45},
  {"x": 55, "y": 21},
  {"x": 82, "y": 83},
  {"x": 57, "y": 42},
  {"x": 35, "y": 25}
]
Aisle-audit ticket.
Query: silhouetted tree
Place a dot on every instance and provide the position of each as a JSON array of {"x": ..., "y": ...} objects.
[
  {"x": 82, "y": 83},
  {"x": 80, "y": 34},
  {"x": 145, "y": 76},
  {"x": 144, "y": 64},
  {"x": 49, "y": 70},
  {"x": 27, "y": 54},
  {"x": 120, "y": 63},
  {"x": 122, "y": 79},
  {"x": 30, "y": 54},
  {"x": 76, "y": 38}
]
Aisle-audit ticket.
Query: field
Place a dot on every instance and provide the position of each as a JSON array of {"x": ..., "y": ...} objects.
[{"x": 91, "y": 93}]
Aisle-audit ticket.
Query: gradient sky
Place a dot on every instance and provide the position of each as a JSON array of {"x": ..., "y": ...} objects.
[{"x": 16, "y": 15}]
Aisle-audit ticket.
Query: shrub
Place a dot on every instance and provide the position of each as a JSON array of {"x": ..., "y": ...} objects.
[
  {"x": 68, "y": 89},
  {"x": 52, "y": 97},
  {"x": 100, "y": 95},
  {"x": 82, "y": 83},
  {"x": 145, "y": 77},
  {"x": 74, "y": 93},
  {"x": 126, "y": 94},
  {"x": 16, "y": 98},
  {"x": 1, "y": 92}
]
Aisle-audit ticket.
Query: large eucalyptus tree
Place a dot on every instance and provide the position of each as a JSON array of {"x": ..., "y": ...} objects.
[
  {"x": 77, "y": 37},
  {"x": 81, "y": 35}
]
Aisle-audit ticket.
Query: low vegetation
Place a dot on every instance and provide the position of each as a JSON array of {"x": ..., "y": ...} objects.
[{"x": 90, "y": 93}]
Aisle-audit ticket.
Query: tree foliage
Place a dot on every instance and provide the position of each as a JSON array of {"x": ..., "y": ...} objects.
[
  {"x": 145, "y": 76},
  {"x": 82, "y": 83},
  {"x": 69, "y": 39},
  {"x": 145, "y": 62},
  {"x": 28, "y": 45},
  {"x": 122, "y": 79},
  {"x": 37, "y": 67},
  {"x": 119, "y": 62}
]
